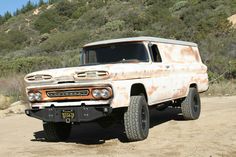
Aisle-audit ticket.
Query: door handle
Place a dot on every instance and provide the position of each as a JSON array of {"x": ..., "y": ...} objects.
[{"x": 167, "y": 66}]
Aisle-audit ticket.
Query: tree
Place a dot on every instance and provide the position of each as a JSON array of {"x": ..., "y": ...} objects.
[
  {"x": 52, "y": 1},
  {"x": 17, "y": 12},
  {"x": 1, "y": 20},
  {"x": 28, "y": 7},
  {"x": 41, "y": 2},
  {"x": 7, "y": 16}
]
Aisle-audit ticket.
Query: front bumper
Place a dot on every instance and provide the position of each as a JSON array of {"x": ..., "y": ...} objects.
[{"x": 81, "y": 113}]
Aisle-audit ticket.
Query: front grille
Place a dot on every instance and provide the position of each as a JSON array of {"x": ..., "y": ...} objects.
[{"x": 68, "y": 93}]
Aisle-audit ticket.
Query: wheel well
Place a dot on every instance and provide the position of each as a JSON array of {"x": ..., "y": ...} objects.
[
  {"x": 193, "y": 85},
  {"x": 138, "y": 89}
]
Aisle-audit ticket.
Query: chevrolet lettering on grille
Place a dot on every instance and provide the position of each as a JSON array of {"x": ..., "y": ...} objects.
[{"x": 67, "y": 93}]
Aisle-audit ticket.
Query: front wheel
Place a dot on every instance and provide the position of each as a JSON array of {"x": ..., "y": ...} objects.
[
  {"x": 136, "y": 119},
  {"x": 56, "y": 131},
  {"x": 191, "y": 106}
]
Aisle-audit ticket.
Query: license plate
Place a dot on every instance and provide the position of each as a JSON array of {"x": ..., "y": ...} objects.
[{"x": 67, "y": 114}]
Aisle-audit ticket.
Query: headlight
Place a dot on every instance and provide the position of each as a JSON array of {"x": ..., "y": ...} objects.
[
  {"x": 102, "y": 93},
  {"x": 34, "y": 96},
  {"x": 96, "y": 93},
  {"x": 105, "y": 94},
  {"x": 31, "y": 97},
  {"x": 38, "y": 96}
]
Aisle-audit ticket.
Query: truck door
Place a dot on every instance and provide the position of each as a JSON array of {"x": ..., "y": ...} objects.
[{"x": 161, "y": 77}]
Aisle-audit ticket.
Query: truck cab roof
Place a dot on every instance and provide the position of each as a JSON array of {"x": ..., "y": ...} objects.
[{"x": 140, "y": 39}]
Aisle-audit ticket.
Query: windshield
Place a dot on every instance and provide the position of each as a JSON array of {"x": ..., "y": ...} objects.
[{"x": 116, "y": 53}]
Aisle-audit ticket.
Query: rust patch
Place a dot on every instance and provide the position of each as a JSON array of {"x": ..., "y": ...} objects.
[
  {"x": 152, "y": 90},
  {"x": 180, "y": 92}
]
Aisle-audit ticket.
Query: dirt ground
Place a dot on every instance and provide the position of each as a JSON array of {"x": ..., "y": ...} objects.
[{"x": 213, "y": 135}]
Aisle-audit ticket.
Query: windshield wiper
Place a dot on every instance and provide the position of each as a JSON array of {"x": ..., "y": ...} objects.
[
  {"x": 129, "y": 61},
  {"x": 121, "y": 61},
  {"x": 89, "y": 64}
]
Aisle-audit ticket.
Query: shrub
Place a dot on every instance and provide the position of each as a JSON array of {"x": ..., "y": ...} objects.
[
  {"x": 179, "y": 5},
  {"x": 12, "y": 40},
  {"x": 17, "y": 37},
  {"x": 93, "y": 19},
  {"x": 116, "y": 25},
  {"x": 27, "y": 64},
  {"x": 64, "y": 40},
  {"x": 66, "y": 8},
  {"x": 48, "y": 21},
  {"x": 79, "y": 11}
]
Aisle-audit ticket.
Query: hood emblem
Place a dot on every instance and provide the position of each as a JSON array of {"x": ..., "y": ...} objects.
[{"x": 92, "y": 75}]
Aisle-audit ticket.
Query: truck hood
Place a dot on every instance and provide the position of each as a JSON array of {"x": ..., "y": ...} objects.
[{"x": 89, "y": 73}]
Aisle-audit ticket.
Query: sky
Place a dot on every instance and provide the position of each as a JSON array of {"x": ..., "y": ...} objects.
[{"x": 12, "y": 5}]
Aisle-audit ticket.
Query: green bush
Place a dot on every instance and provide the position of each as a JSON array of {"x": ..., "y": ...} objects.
[
  {"x": 64, "y": 40},
  {"x": 12, "y": 40},
  {"x": 116, "y": 25},
  {"x": 179, "y": 5},
  {"x": 17, "y": 37},
  {"x": 66, "y": 8},
  {"x": 48, "y": 21},
  {"x": 79, "y": 11},
  {"x": 27, "y": 64},
  {"x": 93, "y": 19}
]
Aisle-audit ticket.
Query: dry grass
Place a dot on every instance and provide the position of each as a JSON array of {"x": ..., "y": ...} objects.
[
  {"x": 4, "y": 102},
  {"x": 12, "y": 89},
  {"x": 223, "y": 88}
]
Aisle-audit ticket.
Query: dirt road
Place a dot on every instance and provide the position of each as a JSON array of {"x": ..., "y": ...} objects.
[{"x": 213, "y": 135}]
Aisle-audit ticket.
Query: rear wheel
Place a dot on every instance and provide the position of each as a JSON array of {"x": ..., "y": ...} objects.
[
  {"x": 56, "y": 131},
  {"x": 191, "y": 106},
  {"x": 136, "y": 119}
]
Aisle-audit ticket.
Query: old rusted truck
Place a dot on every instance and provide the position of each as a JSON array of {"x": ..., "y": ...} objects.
[{"x": 119, "y": 79}]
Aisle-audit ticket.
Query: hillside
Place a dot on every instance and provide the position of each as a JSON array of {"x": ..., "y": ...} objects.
[{"x": 51, "y": 35}]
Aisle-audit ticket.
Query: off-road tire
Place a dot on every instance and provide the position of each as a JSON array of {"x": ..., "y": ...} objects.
[
  {"x": 136, "y": 119},
  {"x": 56, "y": 132},
  {"x": 191, "y": 106}
]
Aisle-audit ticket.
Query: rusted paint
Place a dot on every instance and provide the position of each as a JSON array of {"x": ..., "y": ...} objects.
[{"x": 152, "y": 90}]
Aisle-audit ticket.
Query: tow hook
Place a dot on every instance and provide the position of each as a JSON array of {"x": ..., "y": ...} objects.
[{"x": 68, "y": 120}]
